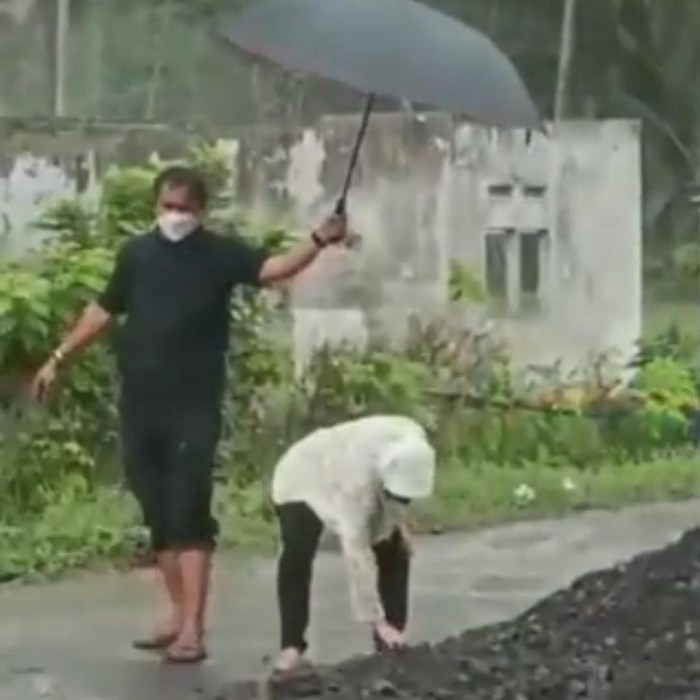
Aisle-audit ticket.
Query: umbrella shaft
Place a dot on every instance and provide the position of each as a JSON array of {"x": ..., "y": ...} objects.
[{"x": 340, "y": 207}]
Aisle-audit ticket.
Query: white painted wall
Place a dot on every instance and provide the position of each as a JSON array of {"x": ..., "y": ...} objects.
[
  {"x": 590, "y": 263},
  {"x": 418, "y": 205},
  {"x": 592, "y": 287},
  {"x": 30, "y": 184}
]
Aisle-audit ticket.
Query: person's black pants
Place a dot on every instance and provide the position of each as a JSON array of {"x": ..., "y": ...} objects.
[
  {"x": 300, "y": 531},
  {"x": 169, "y": 452}
]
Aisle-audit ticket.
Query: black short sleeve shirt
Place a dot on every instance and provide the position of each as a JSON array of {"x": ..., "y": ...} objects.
[{"x": 176, "y": 300}]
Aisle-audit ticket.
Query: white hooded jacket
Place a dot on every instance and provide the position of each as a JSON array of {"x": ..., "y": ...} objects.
[{"x": 340, "y": 473}]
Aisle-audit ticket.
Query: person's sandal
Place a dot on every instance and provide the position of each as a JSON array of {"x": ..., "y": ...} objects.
[
  {"x": 185, "y": 653},
  {"x": 157, "y": 642},
  {"x": 291, "y": 664}
]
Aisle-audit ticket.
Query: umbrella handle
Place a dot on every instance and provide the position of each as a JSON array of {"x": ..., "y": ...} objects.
[
  {"x": 341, "y": 204},
  {"x": 341, "y": 207}
]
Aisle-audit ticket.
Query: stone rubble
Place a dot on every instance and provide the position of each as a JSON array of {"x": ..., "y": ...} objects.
[{"x": 628, "y": 633}]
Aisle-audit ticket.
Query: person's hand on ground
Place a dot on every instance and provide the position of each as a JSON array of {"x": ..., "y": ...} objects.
[
  {"x": 389, "y": 636},
  {"x": 333, "y": 230},
  {"x": 44, "y": 381}
]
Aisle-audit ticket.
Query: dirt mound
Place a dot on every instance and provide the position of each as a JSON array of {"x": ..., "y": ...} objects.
[{"x": 628, "y": 633}]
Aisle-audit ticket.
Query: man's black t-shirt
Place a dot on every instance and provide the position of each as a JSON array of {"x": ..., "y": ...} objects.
[{"x": 176, "y": 300}]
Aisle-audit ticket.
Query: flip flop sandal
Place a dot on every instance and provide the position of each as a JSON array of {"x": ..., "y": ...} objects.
[
  {"x": 186, "y": 654},
  {"x": 304, "y": 671},
  {"x": 157, "y": 642}
]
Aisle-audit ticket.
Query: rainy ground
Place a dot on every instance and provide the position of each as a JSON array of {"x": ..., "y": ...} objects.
[{"x": 70, "y": 640}]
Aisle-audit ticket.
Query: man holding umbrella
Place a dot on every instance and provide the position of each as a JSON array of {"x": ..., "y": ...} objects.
[{"x": 173, "y": 286}]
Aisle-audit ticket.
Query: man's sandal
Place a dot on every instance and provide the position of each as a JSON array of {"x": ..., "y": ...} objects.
[
  {"x": 305, "y": 671},
  {"x": 185, "y": 654},
  {"x": 157, "y": 642}
]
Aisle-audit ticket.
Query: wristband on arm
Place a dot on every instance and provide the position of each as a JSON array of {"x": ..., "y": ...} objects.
[{"x": 58, "y": 356}]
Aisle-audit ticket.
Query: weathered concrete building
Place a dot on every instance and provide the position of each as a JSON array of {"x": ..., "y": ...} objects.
[{"x": 552, "y": 224}]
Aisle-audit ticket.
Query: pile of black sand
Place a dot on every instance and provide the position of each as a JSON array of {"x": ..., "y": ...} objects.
[{"x": 627, "y": 633}]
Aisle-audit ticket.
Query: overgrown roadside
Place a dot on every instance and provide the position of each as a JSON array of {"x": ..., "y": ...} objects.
[{"x": 100, "y": 527}]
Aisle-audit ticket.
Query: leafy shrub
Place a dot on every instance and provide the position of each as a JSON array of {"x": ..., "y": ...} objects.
[
  {"x": 68, "y": 220},
  {"x": 25, "y": 317},
  {"x": 127, "y": 202}
]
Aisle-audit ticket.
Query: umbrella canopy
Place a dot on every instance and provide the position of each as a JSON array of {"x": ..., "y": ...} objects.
[{"x": 393, "y": 48}]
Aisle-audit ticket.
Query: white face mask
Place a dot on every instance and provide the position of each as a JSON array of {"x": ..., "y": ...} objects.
[{"x": 175, "y": 225}]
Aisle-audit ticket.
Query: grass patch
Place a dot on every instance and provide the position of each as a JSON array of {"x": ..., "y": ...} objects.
[
  {"x": 100, "y": 527},
  {"x": 477, "y": 496},
  {"x": 78, "y": 529},
  {"x": 246, "y": 518}
]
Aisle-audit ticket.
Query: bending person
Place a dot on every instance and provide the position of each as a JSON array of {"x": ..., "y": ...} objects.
[{"x": 356, "y": 479}]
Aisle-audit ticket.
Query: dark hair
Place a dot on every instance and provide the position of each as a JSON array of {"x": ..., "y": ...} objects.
[{"x": 181, "y": 176}]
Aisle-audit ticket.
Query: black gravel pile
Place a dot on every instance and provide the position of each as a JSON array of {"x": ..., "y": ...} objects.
[{"x": 628, "y": 633}]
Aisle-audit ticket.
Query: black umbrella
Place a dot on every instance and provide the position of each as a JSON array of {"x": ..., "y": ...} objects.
[{"x": 393, "y": 48}]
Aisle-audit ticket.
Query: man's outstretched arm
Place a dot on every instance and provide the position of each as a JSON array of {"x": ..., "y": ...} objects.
[
  {"x": 95, "y": 319},
  {"x": 90, "y": 326},
  {"x": 284, "y": 266},
  {"x": 92, "y": 323}
]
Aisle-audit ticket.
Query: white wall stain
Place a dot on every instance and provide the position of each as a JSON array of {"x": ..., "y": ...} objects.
[
  {"x": 231, "y": 149},
  {"x": 303, "y": 179},
  {"x": 314, "y": 328},
  {"x": 31, "y": 184}
]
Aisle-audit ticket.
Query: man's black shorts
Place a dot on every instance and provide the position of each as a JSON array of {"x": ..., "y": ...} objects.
[{"x": 169, "y": 452}]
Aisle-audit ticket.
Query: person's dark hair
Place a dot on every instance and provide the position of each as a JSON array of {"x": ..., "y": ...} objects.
[{"x": 181, "y": 176}]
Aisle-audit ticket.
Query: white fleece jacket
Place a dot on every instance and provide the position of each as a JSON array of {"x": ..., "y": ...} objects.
[{"x": 335, "y": 472}]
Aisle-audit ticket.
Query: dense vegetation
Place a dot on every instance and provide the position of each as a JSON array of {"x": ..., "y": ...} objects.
[{"x": 507, "y": 441}]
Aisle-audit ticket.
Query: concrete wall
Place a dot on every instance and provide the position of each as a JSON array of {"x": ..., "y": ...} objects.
[
  {"x": 427, "y": 192},
  {"x": 580, "y": 195}
]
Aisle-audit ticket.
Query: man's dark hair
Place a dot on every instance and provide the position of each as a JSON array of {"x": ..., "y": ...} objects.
[{"x": 181, "y": 176}]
